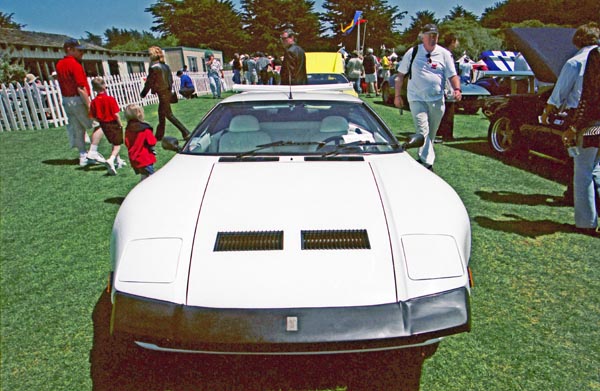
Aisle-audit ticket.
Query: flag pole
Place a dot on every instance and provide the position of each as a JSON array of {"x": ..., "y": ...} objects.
[
  {"x": 358, "y": 40},
  {"x": 364, "y": 34}
]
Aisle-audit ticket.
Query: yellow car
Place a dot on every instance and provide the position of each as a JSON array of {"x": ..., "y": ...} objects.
[{"x": 327, "y": 68}]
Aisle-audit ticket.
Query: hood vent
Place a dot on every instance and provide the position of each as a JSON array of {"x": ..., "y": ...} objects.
[
  {"x": 249, "y": 241},
  {"x": 335, "y": 240}
]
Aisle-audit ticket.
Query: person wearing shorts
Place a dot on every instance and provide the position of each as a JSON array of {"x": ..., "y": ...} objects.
[
  {"x": 370, "y": 65},
  {"x": 105, "y": 110}
]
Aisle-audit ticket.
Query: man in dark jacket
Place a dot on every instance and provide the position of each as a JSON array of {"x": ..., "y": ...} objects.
[
  {"x": 293, "y": 69},
  {"x": 160, "y": 82}
]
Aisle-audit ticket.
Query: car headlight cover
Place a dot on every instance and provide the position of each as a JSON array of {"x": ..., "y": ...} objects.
[
  {"x": 150, "y": 260},
  {"x": 431, "y": 257}
]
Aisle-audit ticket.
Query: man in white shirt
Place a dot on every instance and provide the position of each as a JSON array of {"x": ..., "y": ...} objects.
[{"x": 428, "y": 71}]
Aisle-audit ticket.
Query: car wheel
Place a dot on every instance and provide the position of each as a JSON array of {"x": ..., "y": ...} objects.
[{"x": 503, "y": 136}]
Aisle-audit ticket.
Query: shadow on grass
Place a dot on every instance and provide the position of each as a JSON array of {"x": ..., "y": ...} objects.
[
  {"x": 379, "y": 101},
  {"x": 74, "y": 162},
  {"x": 524, "y": 227},
  {"x": 509, "y": 197},
  {"x": 61, "y": 162},
  {"x": 560, "y": 172},
  {"x": 115, "y": 200},
  {"x": 143, "y": 370}
]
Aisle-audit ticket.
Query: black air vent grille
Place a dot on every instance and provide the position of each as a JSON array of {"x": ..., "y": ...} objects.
[
  {"x": 249, "y": 241},
  {"x": 335, "y": 240}
]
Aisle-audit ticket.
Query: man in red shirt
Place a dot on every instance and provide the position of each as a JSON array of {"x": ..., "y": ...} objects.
[{"x": 76, "y": 101}]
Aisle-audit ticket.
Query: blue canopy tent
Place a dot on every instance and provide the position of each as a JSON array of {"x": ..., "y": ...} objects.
[{"x": 499, "y": 60}]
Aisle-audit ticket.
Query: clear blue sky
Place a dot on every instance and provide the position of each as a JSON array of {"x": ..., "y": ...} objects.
[{"x": 75, "y": 17}]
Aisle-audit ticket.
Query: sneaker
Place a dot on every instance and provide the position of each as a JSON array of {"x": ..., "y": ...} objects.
[
  {"x": 120, "y": 163},
  {"x": 96, "y": 157},
  {"x": 110, "y": 166},
  {"x": 83, "y": 161}
]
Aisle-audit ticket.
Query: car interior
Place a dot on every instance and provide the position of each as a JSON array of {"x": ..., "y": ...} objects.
[{"x": 299, "y": 128}]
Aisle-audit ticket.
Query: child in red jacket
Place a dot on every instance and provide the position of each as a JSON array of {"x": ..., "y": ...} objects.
[{"x": 140, "y": 142}]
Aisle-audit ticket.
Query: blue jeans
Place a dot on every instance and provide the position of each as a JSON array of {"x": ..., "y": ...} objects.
[
  {"x": 215, "y": 85},
  {"x": 586, "y": 183},
  {"x": 237, "y": 78}
]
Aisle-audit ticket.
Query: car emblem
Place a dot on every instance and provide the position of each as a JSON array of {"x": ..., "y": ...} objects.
[{"x": 291, "y": 323}]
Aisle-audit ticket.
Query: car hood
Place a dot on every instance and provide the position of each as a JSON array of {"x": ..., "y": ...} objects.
[
  {"x": 546, "y": 49},
  {"x": 468, "y": 89},
  {"x": 291, "y": 234},
  {"x": 472, "y": 89}
]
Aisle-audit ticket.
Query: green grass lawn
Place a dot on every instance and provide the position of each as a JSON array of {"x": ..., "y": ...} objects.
[{"x": 535, "y": 304}]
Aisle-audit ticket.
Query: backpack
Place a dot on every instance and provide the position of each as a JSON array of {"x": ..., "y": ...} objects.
[
  {"x": 412, "y": 59},
  {"x": 587, "y": 114}
]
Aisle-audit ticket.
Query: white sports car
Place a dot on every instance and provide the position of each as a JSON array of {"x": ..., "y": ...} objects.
[{"x": 296, "y": 224}]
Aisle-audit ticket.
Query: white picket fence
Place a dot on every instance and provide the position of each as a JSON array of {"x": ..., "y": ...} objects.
[{"x": 39, "y": 106}]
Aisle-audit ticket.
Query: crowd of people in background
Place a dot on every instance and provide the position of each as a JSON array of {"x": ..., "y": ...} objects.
[
  {"x": 264, "y": 69},
  {"x": 432, "y": 74}
]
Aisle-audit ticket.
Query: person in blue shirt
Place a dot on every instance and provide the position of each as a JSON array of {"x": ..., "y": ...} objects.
[
  {"x": 585, "y": 148},
  {"x": 186, "y": 89}
]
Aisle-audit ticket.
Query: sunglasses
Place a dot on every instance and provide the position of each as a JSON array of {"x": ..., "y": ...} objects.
[{"x": 428, "y": 55}]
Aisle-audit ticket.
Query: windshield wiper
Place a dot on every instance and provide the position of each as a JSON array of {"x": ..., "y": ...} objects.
[
  {"x": 342, "y": 147},
  {"x": 280, "y": 143}
]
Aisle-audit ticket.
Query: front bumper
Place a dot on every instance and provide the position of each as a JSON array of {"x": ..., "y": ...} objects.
[{"x": 167, "y": 326}]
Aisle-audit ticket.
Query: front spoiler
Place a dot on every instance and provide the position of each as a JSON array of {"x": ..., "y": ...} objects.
[{"x": 172, "y": 327}]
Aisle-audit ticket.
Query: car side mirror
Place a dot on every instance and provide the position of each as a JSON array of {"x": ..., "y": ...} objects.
[
  {"x": 414, "y": 141},
  {"x": 170, "y": 144}
]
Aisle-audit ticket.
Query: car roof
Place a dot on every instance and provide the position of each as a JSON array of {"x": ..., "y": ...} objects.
[
  {"x": 323, "y": 92},
  {"x": 546, "y": 49}
]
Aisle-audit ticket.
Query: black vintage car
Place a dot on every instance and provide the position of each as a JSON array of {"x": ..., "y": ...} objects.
[
  {"x": 515, "y": 128},
  {"x": 472, "y": 93}
]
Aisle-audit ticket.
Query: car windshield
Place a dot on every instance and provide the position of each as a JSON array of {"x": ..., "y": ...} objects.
[
  {"x": 291, "y": 127},
  {"x": 326, "y": 78}
]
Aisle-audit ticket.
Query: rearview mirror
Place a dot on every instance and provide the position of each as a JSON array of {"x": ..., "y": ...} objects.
[
  {"x": 170, "y": 144},
  {"x": 414, "y": 141}
]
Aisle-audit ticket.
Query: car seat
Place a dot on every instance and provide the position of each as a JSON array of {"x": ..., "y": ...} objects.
[{"x": 243, "y": 135}]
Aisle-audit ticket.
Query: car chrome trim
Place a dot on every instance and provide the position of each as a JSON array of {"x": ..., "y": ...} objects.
[{"x": 151, "y": 346}]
